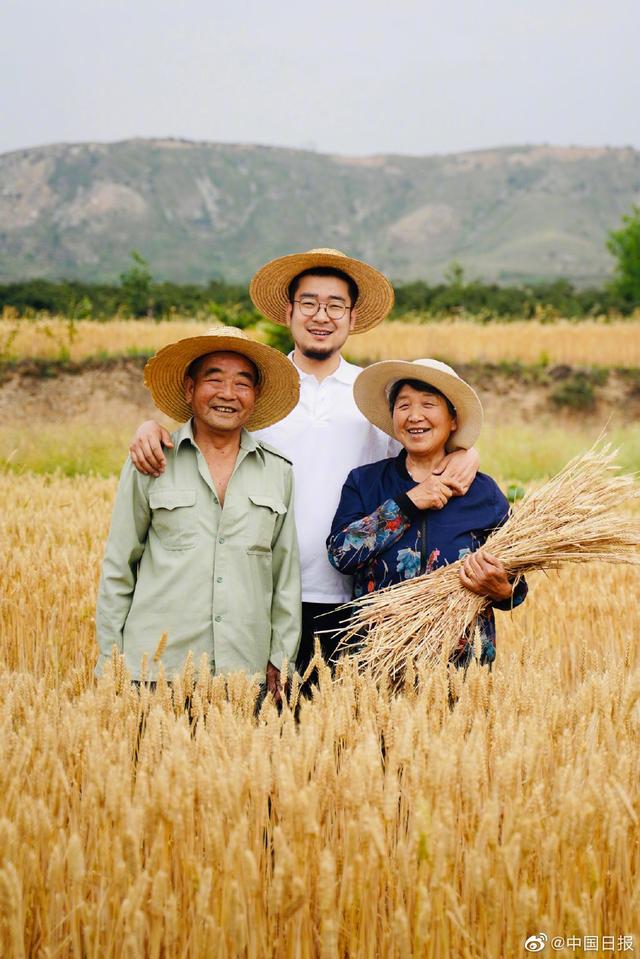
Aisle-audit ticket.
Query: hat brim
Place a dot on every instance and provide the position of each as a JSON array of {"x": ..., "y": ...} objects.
[
  {"x": 279, "y": 380},
  {"x": 371, "y": 391},
  {"x": 269, "y": 287}
]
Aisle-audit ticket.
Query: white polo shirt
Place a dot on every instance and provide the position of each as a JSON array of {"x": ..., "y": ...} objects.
[{"x": 325, "y": 437}]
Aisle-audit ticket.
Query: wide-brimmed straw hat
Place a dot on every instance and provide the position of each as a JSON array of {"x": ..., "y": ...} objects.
[
  {"x": 269, "y": 287},
  {"x": 279, "y": 380},
  {"x": 372, "y": 387}
]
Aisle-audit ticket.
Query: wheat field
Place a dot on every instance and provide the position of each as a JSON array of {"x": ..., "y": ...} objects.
[
  {"x": 614, "y": 344},
  {"x": 377, "y": 825},
  {"x": 587, "y": 343}
]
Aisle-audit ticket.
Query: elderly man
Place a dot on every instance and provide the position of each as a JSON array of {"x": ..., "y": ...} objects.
[
  {"x": 207, "y": 552},
  {"x": 322, "y": 296}
]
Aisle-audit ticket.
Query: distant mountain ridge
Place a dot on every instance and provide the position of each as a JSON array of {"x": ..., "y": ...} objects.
[{"x": 202, "y": 210}]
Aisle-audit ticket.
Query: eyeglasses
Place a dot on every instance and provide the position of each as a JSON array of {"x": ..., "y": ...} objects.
[{"x": 311, "y": 307}]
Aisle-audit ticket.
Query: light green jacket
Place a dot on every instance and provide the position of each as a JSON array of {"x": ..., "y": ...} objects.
[{"x": 225, "y": 582}]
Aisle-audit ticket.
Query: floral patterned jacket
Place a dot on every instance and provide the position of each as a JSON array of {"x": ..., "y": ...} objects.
[{"x": 380, "y": 537}]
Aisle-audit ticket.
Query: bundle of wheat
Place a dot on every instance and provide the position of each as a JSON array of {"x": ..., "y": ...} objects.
[{"x": 573, "y": 518}]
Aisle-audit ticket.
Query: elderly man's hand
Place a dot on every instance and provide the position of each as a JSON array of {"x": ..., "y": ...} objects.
[
  {"x": 146, "y": 448},
  {"x": 273, "y": 682},
  {"x": 458, "y": 470},
  {"x": 485, "y": 575}
]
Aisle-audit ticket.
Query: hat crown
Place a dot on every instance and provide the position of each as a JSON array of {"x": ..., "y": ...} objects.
[
  {"x": 327, "y": 250},
  {"x": 436, "y": 365},
  {"x": 227, "y": 331}
]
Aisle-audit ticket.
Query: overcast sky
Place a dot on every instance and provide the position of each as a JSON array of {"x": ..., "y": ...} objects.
[{"x": 370, "y": 76}]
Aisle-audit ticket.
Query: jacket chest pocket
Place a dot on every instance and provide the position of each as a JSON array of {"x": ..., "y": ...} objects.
[
  {"x": 263, "y": 514},
  {"x": 174, "y": 517}
]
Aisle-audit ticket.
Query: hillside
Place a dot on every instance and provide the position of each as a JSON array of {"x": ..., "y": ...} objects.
[{"x": 203, "y": 210}]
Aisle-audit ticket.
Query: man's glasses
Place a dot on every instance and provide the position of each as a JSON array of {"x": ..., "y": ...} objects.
[{"x": 310, "y": 306}]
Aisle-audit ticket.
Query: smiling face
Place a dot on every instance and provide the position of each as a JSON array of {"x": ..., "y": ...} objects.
[
  {"x": 422, "y": 422},
  {"x": 319, "y": 337},
  {"x": 222, "y": 393}
]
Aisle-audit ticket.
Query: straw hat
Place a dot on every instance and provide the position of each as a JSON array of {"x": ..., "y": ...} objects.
[
  {"x": 371, "y": 392},
  {"x": 269, "y": 286},
  {"x": 279, "y": 381}
]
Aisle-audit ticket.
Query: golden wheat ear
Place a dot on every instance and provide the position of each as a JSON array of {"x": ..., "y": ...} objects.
[{"x": 160, "y": 648}]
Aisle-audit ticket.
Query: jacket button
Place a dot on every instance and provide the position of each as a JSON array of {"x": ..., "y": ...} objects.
[{"x": 218, "y": 619}]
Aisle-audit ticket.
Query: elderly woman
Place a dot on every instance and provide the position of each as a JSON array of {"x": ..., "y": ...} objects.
[{"x": 396, "y": 519}]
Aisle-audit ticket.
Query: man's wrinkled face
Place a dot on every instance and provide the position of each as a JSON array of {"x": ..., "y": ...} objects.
[
  {"x": 223, "y": 392},
  {"x": 319, "y": 337}
]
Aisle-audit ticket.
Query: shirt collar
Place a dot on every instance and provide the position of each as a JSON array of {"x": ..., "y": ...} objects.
[
  {"x": 341, "y": 373},
  {"x": 247, "y": 442},
  {"x": 185, "y": 433},
  {"x": 251, "y": 445}
]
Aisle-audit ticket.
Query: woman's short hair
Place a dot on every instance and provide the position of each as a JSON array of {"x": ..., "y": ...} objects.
[{"x": 423, "y": 388}]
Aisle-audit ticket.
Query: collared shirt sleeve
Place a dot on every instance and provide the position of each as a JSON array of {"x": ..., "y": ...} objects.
[
  {"x": 285, "y": 606},
  {"x": 357, "y": 537},
  {"x": 125, "y": 545}
]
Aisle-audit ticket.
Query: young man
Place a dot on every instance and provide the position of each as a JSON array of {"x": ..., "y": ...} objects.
[
  {"x": 322, "y": 296},
  {"x": 219, "y": 519}
]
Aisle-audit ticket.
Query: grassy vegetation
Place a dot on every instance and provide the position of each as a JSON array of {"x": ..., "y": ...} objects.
[
  {"x": 69, "y": 449},
  {"x": 528, "y": 452},
  {"x": 513, "y": 453}
]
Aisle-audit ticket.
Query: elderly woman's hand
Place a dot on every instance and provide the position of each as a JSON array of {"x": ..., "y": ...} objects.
[
  {"x": 485, "y": 575},
  {"x": 458, "y": 470},
  {"x": 431, "y": 493}
]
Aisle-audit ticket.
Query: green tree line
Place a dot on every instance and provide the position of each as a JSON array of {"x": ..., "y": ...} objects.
[{"x": 226, "y": 300}]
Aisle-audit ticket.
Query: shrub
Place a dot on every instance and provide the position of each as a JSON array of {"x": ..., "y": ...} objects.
[{"x": 574, "y": 393}]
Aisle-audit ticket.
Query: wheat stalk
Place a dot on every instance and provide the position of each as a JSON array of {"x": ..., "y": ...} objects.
[{"x": 573, "y": 518}]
